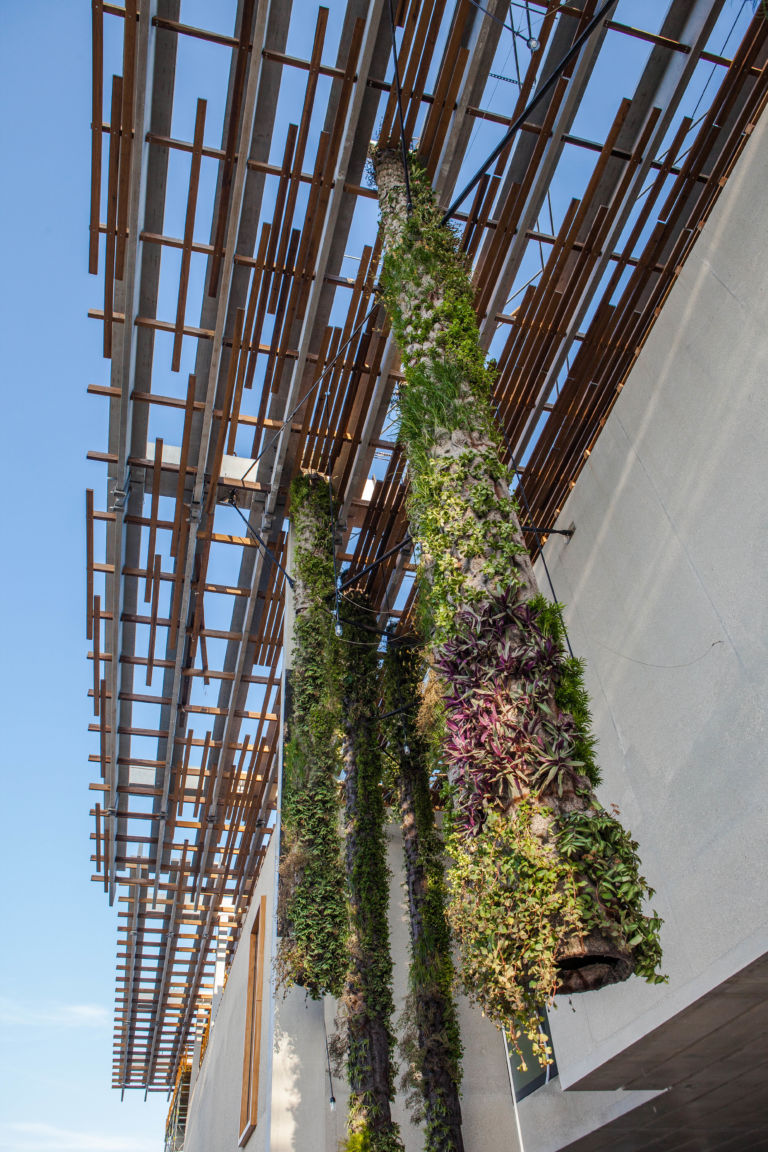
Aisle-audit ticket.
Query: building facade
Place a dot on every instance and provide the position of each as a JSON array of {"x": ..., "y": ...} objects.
[{"x": 664, "y": 585}]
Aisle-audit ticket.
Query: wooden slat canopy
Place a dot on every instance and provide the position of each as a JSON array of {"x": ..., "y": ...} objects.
[{"x": 234, "y": 229}]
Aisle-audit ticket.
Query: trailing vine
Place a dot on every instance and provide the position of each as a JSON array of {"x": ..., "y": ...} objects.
[
  {"x": 313, "y": 908},
  {"x": 368, "y": 1004},
  {"x": 546, "y": 896},
  {"x": 430, "y": 1041}
]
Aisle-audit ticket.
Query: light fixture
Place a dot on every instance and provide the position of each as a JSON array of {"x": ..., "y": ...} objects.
[
  {"x": 533, "y": 44},
  {"x": 338, "y": 629},
  {"x": 331, "y": 1098},
  {"x": 406, "y": 750}
]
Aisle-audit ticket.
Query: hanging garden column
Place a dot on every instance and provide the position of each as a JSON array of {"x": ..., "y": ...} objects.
[
  {"x": 368, "y": 1001},
  {"x": 313, "y": 909},
  {"x": 431, "y": 1042},
  {"x": 546, "y": 895}
]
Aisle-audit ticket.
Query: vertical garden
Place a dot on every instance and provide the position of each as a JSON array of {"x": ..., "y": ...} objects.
[
  {"x": 545, "y": 891},
  {"x": 543, "y": 894}
]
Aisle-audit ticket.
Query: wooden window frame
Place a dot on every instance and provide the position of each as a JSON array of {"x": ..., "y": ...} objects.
[{"x": 249, "y": 1100}]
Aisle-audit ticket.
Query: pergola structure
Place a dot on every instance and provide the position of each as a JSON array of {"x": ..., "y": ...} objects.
[{"x": 235, "y": 237}]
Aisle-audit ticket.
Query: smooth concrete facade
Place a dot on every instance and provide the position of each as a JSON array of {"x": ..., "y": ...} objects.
[
  {"x": 294, "y": 1113},
  {"x": 213, "y": 1117},
  {"x": 664, "y": 583}
]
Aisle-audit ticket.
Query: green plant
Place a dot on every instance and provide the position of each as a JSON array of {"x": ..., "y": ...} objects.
[
  {"x": 365, "y": 1140},
  {"x": 571, "y": 695},
  {"x": 313, "y": 909},
  {"x": 429, "y": 1028},
  {"x": 534, "y": 910},
  {"x": 513, "y": 901},
  {"x": 367, "y": 1002}
]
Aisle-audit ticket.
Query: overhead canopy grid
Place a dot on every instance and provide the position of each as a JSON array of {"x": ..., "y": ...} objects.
[{"x": 234, "y": 229}]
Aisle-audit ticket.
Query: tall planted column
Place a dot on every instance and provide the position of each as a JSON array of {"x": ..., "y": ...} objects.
[
  {"x": 431, "y": 1041},
  {"x": 545, "y": 891},
  {"x": 313, "y": 908},
  {"x": 368, "y": 1002}
]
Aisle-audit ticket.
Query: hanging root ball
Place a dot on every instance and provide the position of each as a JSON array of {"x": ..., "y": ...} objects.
[{"x": 588, "y": 964}]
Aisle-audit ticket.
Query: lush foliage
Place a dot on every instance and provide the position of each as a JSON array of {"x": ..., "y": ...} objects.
[
  {"x": 313, "y": 950},
  {"x": 505, "y": 735},
  {"x": 611, "y": 892},
  {"x": 533, "y": 880},
  {"x": 459, "y": 495},
  {"x": 538, "y": 865},
  {"x": 542, "y": 871},
  {"x": 571, "y": 696},
  {"x": 368, "y": 1004},
  {"x": 430, "y": 1040},
  {"x": 366, "y": 1140},
  {"x": 512, "y": 902}
]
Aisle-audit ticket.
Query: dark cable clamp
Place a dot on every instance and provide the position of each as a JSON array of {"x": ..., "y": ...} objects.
[{"x": 548, "y": 531}]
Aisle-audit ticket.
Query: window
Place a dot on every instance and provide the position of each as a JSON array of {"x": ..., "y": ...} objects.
[
  {"x": 249, "y": 1104},
  {"x": 536, "y": 1075}
]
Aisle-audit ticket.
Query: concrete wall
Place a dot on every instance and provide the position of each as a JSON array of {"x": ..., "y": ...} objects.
[
  {"x": 664, "y": 583},
  {"x": 294, "y": 1091},
  {"x": 213, "y": 1119}
]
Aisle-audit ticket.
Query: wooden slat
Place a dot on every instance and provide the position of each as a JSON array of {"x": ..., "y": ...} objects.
[
  {"x": 89, "y": 563},
  {"x": 154, "y": 508},
  {"x": 178, "y": 578},
  {"x": 97, "y": 116},
  {"x": 186, "y": 437},
  {"x": 450, "y": 57},
  {"x": 226, "y": 409},
  {"x": 112, "y": 191},
  {"x": 296, "y": 291},
  {"x": 276, "y": 227},
  {"x": 96, "y": 653},
  {"x": 420, "y": 80},
  {"x": 247, "y": 364},
  {"x": 102, "y": 713},
  {"x": 301, "y": 143},
  {"x": 233, "y": 128},
  {"x": 189, "y": 231},
  {"x": 126, "y": 133},
  {"x": 153, "y": 623}
]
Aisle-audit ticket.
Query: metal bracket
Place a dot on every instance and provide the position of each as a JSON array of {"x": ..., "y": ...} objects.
[
  {"x": 548, "y": 531},
  {"x": 119, "y": 497}
]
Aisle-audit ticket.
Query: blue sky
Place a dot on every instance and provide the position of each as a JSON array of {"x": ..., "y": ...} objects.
[
  {"x": 57, "y": 965},
  {"x": 56, "y": 979}
]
